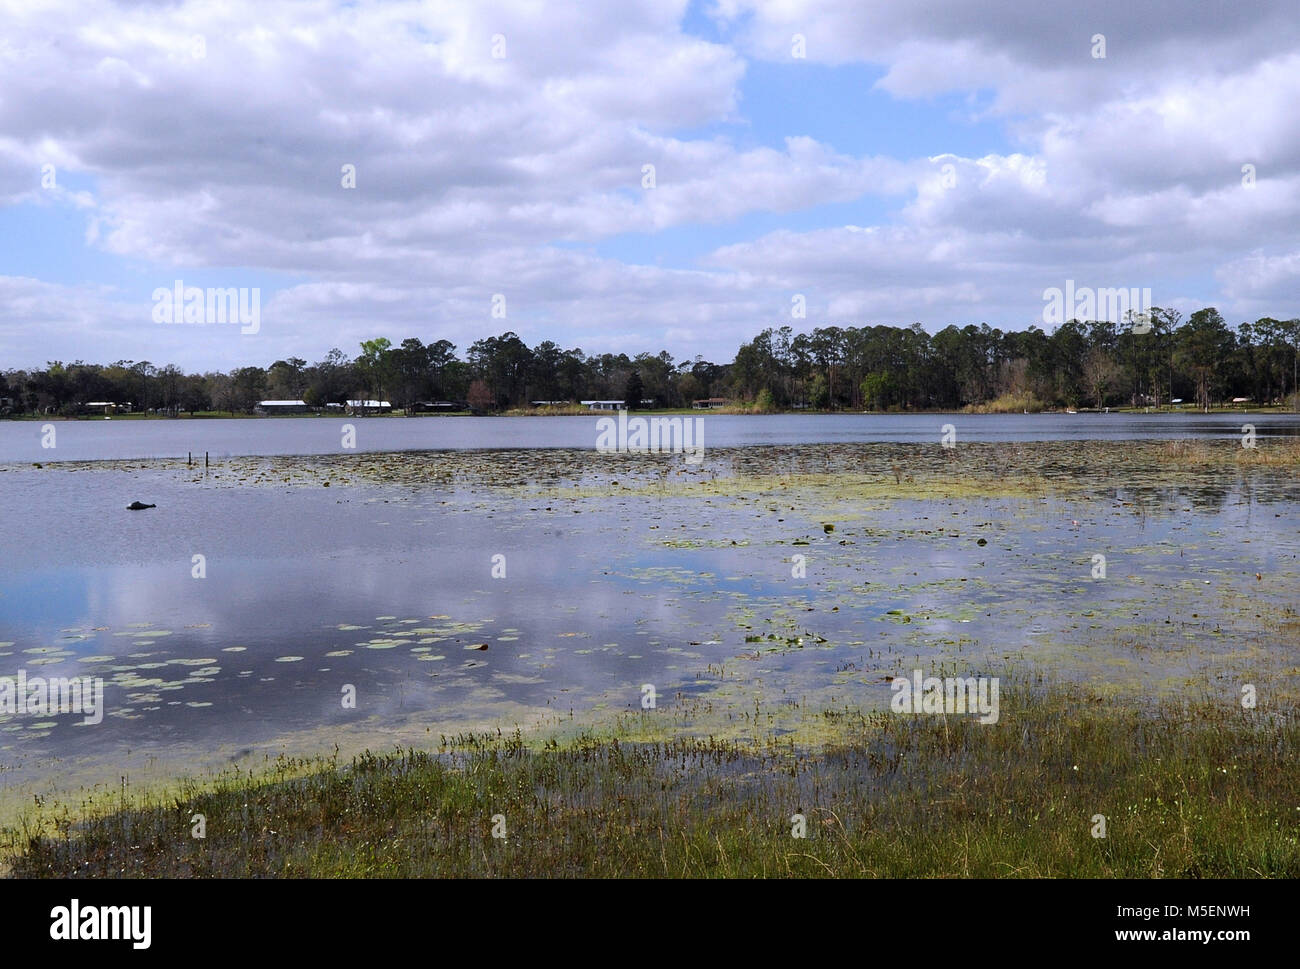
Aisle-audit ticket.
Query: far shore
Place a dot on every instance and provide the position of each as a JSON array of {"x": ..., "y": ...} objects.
[{"x": 734, "y": 411}]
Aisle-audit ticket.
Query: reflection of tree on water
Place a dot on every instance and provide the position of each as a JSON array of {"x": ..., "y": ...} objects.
[
  {"x": 1209, "y": 498},
  {"x": 1169, "y": 501}
]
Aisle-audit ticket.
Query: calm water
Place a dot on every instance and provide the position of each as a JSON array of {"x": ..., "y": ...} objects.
[
  {"x": 93, "y": 440},
  {"x": 385, "y": 587}
]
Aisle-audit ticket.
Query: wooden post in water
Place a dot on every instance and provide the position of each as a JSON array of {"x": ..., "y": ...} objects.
[
  {"x": 205, "y": 459},
  {"x": 189, "y": 458}
]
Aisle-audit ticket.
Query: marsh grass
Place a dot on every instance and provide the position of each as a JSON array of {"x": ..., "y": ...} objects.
[
  {"x": 1189, "y": 789},
  {"x": 871, "y": 470},
  {"x": 1015, "y": 403},
  {"x": 549, "y": 410},
  {"x": 578, "y": 410},
  {"x": 1285, "y": 453}
]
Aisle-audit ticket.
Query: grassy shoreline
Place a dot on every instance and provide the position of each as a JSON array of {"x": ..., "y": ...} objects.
[
  {"x": 1017, "y": 408},
  {"x": 1188, "y": 788}
]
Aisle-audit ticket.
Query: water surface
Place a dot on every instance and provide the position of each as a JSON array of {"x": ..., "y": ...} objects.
[
  {"x": 386, "y": 587},
  {"x": 91, "y": 440}
]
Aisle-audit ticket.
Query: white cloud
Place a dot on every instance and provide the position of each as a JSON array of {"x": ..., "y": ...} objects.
[{"x": 478, "y": 175}]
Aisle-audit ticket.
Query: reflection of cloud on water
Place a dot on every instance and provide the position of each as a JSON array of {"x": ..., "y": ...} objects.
[{"x": 599, "y": 602}]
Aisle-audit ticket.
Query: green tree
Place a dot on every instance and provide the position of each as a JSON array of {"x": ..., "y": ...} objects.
[
  {"x": 247, "y": 388},
  {"x": 373, "y": 366},
  {"x": 877, "y": 390},
  {"x": 818, "y": 392},
  {"x": 287, "y": 379},
  {"x": 410, "y": 370},
  {"x": 634, "y": 391},
  {"x": 1203, "y": 344}
]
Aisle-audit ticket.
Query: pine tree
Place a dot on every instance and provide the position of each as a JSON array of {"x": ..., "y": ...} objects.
[{"x": 634, "y": 391}]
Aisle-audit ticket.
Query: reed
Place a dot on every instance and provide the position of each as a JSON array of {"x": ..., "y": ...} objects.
[{"x": 1188, "y": 789}]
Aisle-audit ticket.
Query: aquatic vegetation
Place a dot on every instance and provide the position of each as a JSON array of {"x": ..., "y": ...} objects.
[
  {"x": 1190, "y": 789},
  {"x": 1198, "y": 453},
  {"x": 913, "y": 555}
]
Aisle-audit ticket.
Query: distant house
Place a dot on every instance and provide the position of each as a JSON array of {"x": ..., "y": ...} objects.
[
  {"x": 368, "y": 405},
  {"x": 436, "y": 406},
  {"x": 282, "y": 407},
  {"x": 549, "y": 403},
  {"x": 103, "y": 406},
  {"x": 613, "y": 404},
  {"x": 708, "y": 403},
  {"x": 1241, "y": 400}
]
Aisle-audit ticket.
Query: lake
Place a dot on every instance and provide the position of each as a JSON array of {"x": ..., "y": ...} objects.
[
  {"x": 464, "y": 589},
  {"x": 93, "y": 440}
]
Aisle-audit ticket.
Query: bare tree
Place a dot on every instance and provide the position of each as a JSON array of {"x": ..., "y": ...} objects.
[{"x": 1100, "y": 374}]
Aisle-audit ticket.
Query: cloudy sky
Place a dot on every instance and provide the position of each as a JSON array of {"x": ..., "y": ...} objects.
[{"x": 889, "y": 162}]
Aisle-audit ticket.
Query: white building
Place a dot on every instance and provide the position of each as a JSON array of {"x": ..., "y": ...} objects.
[
  {"x": 612, "y": 404},
  {"x": 283, "y": 406}
]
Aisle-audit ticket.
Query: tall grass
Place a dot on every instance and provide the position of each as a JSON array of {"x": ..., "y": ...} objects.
[
  {"x": 1015, "y": 403},
  {"x": 1265, "y": 453},
  {"x": 1187, "y": 790}
]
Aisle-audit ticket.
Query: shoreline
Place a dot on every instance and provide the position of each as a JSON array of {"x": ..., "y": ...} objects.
[
  {"x": 1183, "y": 789},
  {"x": 971, "y": 410}
]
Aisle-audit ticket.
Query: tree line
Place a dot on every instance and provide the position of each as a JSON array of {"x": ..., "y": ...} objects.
[{"x": 1150, "y": 359}]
